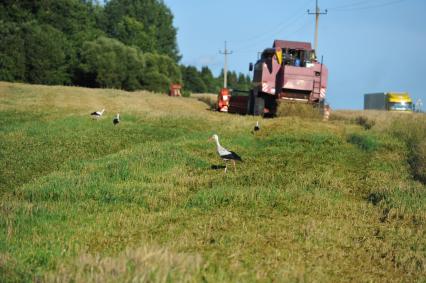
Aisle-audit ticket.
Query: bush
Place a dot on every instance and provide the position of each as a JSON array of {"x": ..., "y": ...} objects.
[
  {"x": 185, "y": 93},
  {"x": 365, "y": 122},
  {"x": 418, "y": 161},
  {"x": 364, "y": 142},
  {"x": 156, "y": 82}
]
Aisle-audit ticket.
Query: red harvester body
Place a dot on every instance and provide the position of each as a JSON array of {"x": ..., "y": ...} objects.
[{"x": 287, "y": 71}]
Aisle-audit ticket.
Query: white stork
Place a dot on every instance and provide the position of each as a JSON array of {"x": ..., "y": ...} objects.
[
  {"x": 225, "y": 154},
  {"x": 257, "y": 127},
  {"x": 116, "y": 120},
  {"x": 97, "y": 114}
]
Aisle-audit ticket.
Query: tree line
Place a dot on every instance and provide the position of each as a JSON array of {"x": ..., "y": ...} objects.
[
  {"x": 203, "y": 81},
  {"x": 124, "y": 44}
]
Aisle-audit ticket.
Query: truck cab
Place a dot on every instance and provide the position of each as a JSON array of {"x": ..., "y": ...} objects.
[{"x": 399, "y": 102}]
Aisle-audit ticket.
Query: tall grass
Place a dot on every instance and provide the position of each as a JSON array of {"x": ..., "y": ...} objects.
[
  {"x": 84, "y": 201},
  {"x": 408, "y": 128},
  {"x": 207, "y": 98},
  {"x": 412, "y": 130}
]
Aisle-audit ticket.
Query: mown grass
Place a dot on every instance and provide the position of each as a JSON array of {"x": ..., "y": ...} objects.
[
  {"x": 83, "y": 201},
  {"x": 297, "y": 109}
]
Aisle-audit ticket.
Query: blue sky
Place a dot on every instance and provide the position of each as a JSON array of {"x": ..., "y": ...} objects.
[{"x": 368, "y": 45}]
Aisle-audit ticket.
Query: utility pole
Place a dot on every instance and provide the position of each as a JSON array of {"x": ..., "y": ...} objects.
[
  {"x": 225, "y": 68},
  {"x": 317, "y": 14}
]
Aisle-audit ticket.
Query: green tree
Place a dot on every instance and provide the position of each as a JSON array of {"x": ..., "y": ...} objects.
[
  {"x": 156, "y": 21},
  {"x": 232, "y": 80},
  {"x": 192, "y": 80},
  {"x": 18, "y": 11},
  {"x": 242, "y": 82},
  {"x": 132, "y": 32},
  {"x": 68, "y": 16},
  {"x": 109, "y": 63},
  {"x": 160, "y": 71},
  {"x": 47, "y": 51},
  {"x": 154, "y": 81},
  {"x": 248, "y": 80},
  {"x": 65, "y": 41},
  {"x": 220, "y": 79},
  {"x": 208, "y": 79},
  {"x": 12, "y": 52}
]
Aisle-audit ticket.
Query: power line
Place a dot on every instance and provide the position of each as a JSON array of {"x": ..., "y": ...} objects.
[
  {"x": 277, "y": 31},
  {"x": 252, "y": 49},
  {"x": 251, "y": 41},
  {"x": 351, "y": 5},
  {"x": 306, "y": 24},
  {"x": 359, "y": 6},
  {"x": 270, "y": 32},
  {"x": 280, "y": 26}
]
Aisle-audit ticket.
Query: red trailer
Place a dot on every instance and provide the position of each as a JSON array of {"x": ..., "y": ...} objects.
[{"x": 287, "y": 71}]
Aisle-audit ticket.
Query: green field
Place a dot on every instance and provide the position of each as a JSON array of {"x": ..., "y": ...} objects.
[{"x": 313, "y": 201}]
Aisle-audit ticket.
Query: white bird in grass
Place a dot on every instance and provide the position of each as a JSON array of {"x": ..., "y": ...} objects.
[
  {"x": 116, "y": 120},
  {"x": 257, "y": 127},
  {"x": 225, "y": 154},
  {"x": 97, "y": 114}
]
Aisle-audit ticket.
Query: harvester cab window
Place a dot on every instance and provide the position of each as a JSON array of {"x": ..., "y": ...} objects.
[
  {"x": 294, "y": 57},
  {"x": 301, "y": 58},
  {"x": 310, "y": 58},
  {"x": 288, "y": 56}
]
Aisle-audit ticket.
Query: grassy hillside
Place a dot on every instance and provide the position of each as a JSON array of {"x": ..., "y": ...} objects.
[{"x": 84, "y": 201}]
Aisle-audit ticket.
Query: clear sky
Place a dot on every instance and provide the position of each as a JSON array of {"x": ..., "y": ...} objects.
[{"x": 368, "y": 45}]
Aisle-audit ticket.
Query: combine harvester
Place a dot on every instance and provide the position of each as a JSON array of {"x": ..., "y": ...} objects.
[{"x": 289, "y": 71}]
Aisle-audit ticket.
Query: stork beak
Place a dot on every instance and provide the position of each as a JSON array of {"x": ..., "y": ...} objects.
[{"x": 210, "y": 139}]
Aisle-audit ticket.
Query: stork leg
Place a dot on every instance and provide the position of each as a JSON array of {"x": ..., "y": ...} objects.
[
  {"x": 235, "y": 168},
  {"x": 226, "y": 165}
]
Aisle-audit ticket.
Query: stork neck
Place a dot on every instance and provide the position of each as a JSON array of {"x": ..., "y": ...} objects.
[{"x": 217, "y": 143}]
